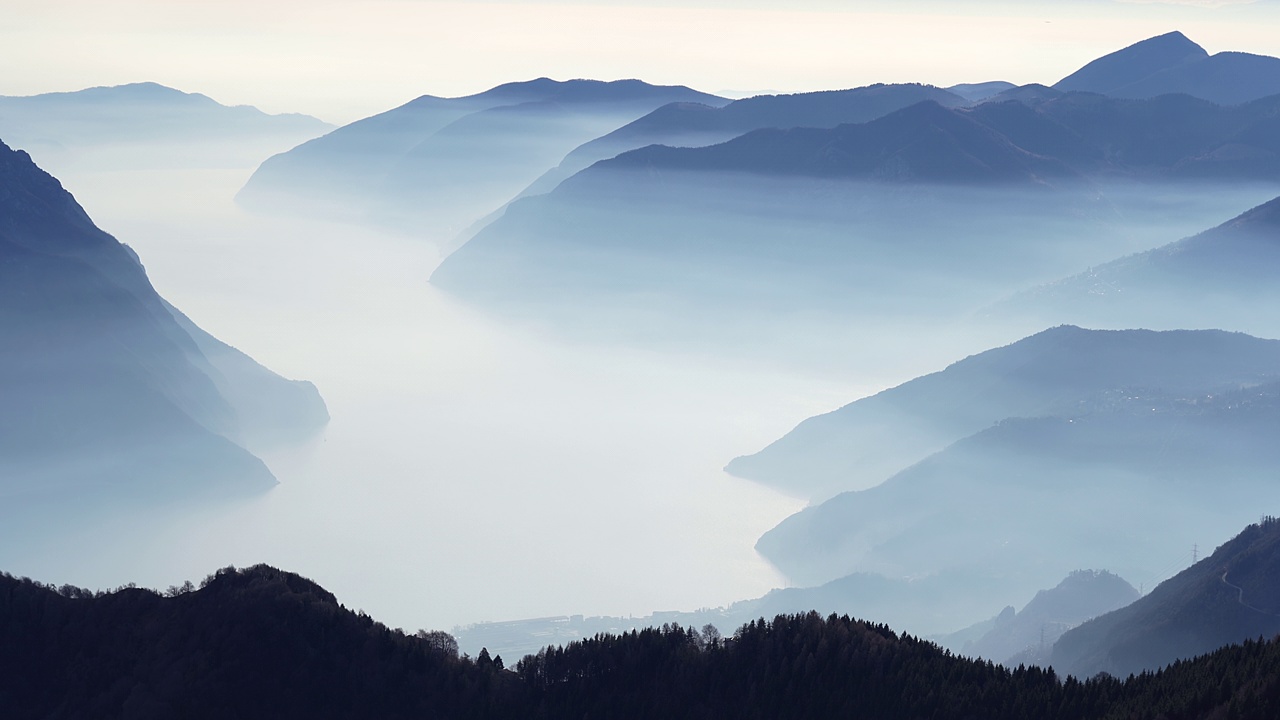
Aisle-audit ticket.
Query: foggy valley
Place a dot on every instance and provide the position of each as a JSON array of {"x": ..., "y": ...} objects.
[{"x": 991, "y": 365}]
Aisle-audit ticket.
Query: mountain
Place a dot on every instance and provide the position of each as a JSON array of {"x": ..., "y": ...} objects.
[
  {"x": 108, "y": 390},
  {"x": 440, "y": 163},
  {"x": 1133, "y": 64},
  {"x": 127, "y": 119},
  {"x": 698, "y": 125},
  {"x": 1062, "y": 372},
  {"x": 844, "y": 222},
  {"x": 260, "y": 642},
  {"x": 1223, "y": 277},
  {"x": 1171, "y": 63},
  {"x": 1027, "y": 636},
  {"x": 1229, "y": 597},
  {"x": 977, "y": 92}
]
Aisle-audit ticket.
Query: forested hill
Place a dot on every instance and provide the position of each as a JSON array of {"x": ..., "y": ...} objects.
[{"x": 265, "y": 643}]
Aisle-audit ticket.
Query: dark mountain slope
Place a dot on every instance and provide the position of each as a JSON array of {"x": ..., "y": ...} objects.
[
  {"x": 1058, "y": 372},
  {"x": 1229, "y": 597},
  {"x": 103, "y": 386},
  {"x": 250, "y": 643}
]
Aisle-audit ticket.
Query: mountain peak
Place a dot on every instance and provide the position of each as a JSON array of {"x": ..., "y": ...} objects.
[{"x": 1133, "y": 64}]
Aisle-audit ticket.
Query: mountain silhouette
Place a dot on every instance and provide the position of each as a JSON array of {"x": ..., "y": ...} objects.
[
  {"x": 977, "y": 92},
  {"x": 936, "y": 192},
  {"x": 139, "y": 115},
  {"x": 1171, "y": 63},
  {"x": 1053, "y": 373},
  {"x": 922, "y": 143},
  {"x": 1133, "y": 64},
  {"x": 261, "y": 642},
  {"x": 1228, "y": 597},
  {"x": 1222, "y": 277},
  {"x": 109, "y": 390},
  {"x": 1027, "y": 636},
  {"x": 440, "y": 163},
  {"x": 697, "y": 125}
]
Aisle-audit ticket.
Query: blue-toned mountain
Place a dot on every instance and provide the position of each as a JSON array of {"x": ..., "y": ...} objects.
[{"x": 109, "y": 391}]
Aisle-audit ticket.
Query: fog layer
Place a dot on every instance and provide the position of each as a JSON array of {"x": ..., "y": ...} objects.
[{"x": 470, "y": 471}]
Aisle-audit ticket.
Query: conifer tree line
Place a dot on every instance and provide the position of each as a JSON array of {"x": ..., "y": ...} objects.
[{"x": 264, "y": 643}]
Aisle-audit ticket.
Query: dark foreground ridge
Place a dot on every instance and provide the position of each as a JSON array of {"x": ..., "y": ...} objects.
[{"x": 262, "y": 642}]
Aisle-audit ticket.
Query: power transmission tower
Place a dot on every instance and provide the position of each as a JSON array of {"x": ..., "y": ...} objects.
[{"x": 1195, "y": 553}]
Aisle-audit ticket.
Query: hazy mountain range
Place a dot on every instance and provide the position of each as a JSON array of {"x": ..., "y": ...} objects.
[
  {"x": 980, "y": 202},
  {"x": 437, "y": 164},
  {"x": 1027, "y": 636},
  {"x": 1223, "y": 277},
  {"x": 1046, "y": 446},
  {"x": 109, "y": 390},
  {"x": 125, "y": 120}
]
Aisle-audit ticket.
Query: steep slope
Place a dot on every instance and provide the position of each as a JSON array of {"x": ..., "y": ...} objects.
[
  {"x": 1059, "y": 372},
  {"x": 1027, "y": 499},
  {"x": 1133, "y": 64},
  {"x": 1171, "y": 63},
  {"x": 1028, "y": 635},
  {"x": 104, "y": 388},
  {"x": 1228, "y": 597},
  {"x": 438, "y": 164},
  {"x": 1223, "y": 277}
]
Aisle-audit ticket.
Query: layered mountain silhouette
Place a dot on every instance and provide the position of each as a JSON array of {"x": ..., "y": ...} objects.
[
  {"x": 1178, "y": 421},
  {"x": 109, "y": 390},
  {"x": 261, "y": 642},
  {"x": 853, "y": 216},
  {"x": 1172, "y": 63},
  {"x": 438, "y": 164},
  {"x": 1223, "y": 277},
  {"x": 977, "y": 92},
  {"x": 697, "y": 125},
  {"x": 1027, "y": 636},
  {"x": 1229, "y": 597},
  {"x": 54, "y": 125},
  {"x": 1059, "y": 373}
]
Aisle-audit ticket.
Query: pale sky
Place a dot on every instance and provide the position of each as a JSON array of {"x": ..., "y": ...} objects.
[{"x": 346, "y": 59}]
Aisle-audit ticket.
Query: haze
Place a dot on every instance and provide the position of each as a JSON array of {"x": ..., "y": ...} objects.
[
  {"x": 536, "y": 424},
  {"x": 346, "y": 59}
]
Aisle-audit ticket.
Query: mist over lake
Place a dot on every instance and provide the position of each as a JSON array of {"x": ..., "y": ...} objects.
[{"x": 471, "y": 470}]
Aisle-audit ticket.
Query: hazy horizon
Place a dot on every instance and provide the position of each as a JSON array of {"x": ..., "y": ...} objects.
[{"x": 345, "y": 60}]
